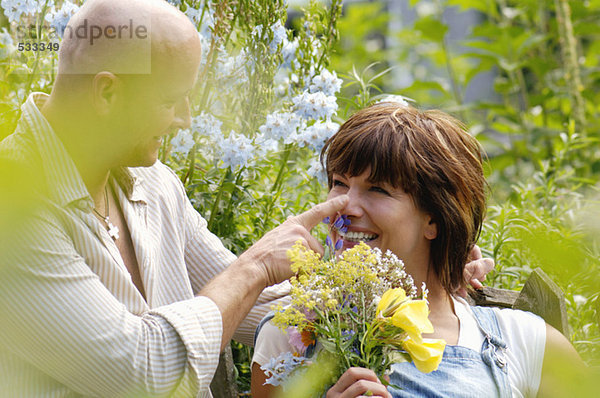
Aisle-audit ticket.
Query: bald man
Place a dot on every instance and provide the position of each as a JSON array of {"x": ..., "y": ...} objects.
[{"x": 111, "y": 285}]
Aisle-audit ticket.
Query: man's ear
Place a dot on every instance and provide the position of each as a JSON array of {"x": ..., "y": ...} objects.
[
  {"x": 106, "y": 88},
  {"x": 431, "y": 229}
]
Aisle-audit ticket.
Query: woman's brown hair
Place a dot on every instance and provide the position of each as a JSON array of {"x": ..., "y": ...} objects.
[{"x": 430, "y": 156}]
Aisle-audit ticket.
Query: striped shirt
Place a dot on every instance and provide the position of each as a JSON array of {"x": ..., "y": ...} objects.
[{"x": 73, "y": 323}]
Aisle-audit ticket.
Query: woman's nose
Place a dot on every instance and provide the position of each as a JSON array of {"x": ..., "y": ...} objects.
[{"x": 354, "y": 208}]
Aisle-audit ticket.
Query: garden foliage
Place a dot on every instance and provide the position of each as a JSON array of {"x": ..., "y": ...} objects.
[{"x": 267, "y": 98}]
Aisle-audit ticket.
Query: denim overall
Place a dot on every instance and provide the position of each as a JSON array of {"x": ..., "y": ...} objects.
[{"x": 463, "y": 372}]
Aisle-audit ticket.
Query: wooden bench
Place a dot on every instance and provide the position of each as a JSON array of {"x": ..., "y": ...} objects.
[{"x": 539, "y": 295}]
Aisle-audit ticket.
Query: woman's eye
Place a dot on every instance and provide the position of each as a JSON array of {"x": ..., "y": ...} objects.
[
  {"x": 338, "y": 183},
  {"x": 380, "y": 190}
]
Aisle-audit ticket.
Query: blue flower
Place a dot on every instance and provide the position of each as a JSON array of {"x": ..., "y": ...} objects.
[
  {"x": 60, "y": 18},
  {"x": 315, "y": 105},
  {"x": 280, "y": 125},
  {"x": 14, "y": 9},
  {"x": 288, "y": 52},
  {"x": 401, "y": 100},
  {"x": 193, "y": 15},
  {"x": 236, "y": 150},
  {"x": 257, "y": 32},
  {"x": 326, "y": 82},
  {"x": 281, "y": 367},
  {"x": 339, "y": 223},
  {"x": 279, "y": 34},
  {"x": 316, "y": 135},
  {"x": 339, "y": 244},
  {"x": 316, "y": 171},
  {"x": 6, "y": 40},
  {"x": 183, "y": 142},
  {"x": 207, "y": 125}
]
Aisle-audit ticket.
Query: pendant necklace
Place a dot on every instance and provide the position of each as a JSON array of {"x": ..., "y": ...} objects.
[{"x": 113, "y": 231}]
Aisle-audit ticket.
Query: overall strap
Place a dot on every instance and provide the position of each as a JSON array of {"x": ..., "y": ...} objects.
[
  {"x": 262, "y": 322},
  {"x": 493, "y": 348}
]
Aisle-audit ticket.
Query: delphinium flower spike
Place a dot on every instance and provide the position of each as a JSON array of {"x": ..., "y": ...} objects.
[{"x": 340, "y": 223}]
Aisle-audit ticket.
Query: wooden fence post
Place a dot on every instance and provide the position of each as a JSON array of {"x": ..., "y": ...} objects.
[
  {"x": 223, "y": 384},
  {"x": 539, "y": 295}
]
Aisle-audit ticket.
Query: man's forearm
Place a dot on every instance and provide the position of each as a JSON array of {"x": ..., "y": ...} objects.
[{"x": 235, "y": 291}]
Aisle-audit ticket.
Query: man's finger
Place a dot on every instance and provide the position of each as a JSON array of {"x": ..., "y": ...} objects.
[
  {"x": 475, "y": 253},
  {"x": 309, "y": 219},
  {"x": 476, "y": 283}
]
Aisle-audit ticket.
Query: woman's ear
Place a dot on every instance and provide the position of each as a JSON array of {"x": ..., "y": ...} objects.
[{"x": 431, "y": 229}]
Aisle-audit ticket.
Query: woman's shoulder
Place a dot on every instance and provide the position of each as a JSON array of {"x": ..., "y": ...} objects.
[
  {"x": 508, "y": 319},
  {"x": 520, "y": 322},
  {"x": 270, "y": 343},
  {"x": 525, "y": 336}
]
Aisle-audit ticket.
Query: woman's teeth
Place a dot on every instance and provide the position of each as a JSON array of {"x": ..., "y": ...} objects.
[{"x": 359, "y": 236}]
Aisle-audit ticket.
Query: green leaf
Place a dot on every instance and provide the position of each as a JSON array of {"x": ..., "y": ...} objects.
[
  {"x": 471, "y": 4},
  {"x": 431, "y": 28}
]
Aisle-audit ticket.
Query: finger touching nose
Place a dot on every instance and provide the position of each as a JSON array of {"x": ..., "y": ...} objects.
[{"x": 309, "y": 219}]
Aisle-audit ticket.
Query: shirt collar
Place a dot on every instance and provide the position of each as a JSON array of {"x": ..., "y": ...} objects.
[{"x": 131, "y": 185}]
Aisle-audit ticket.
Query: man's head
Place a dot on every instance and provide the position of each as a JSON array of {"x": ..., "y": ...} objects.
[
  {"x": 125, "y": 70},
  {"x": 429, "y": 156}
]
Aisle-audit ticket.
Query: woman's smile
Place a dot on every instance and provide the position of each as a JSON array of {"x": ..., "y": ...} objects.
[{"x": 382, "y": 216}]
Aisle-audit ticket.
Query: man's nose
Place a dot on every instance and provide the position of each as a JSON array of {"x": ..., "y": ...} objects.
[{"x": 182, "y": 118}]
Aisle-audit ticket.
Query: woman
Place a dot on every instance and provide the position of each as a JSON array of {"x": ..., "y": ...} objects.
[{"x": 416, "y": 186}]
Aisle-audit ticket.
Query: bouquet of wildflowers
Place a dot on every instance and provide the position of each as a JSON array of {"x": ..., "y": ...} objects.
[{"x": 362, "y": 309}]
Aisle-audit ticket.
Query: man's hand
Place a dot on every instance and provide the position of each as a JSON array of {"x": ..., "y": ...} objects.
[
  {"x": 270, "y": 252},
  {"x": 476, "y": 270},
  {"x": 358, "y": 382}
]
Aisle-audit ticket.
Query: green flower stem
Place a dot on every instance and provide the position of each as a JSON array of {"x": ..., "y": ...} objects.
[
  {"x": 238, "y": 181},
  {"x": 568, "y": 44},
  {"x": 276, "y": 188},
  {"x": 189, "y": 175},
  {"x": 215, "y": 206},
  {"x": 38, "y": 30},
  {"x": 330, "y": 33}
]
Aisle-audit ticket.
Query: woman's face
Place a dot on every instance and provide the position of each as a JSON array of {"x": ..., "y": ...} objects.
[{"x": 384, "y": 217}]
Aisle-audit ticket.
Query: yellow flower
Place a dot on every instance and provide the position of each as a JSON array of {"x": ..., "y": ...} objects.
[
  {"x": 390, "y": 302},
  {"x": 427, "y": 355},
  {"x": 411, "y": 316}
]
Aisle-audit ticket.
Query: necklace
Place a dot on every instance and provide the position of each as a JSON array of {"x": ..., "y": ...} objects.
[{"x": 113, "y": 231}]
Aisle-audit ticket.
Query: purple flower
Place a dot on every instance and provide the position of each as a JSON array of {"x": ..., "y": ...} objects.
[
  {"x": 341, "y": 222},
  {"x": 328, "y": 241},
  {"x": 338, "y": 244},
  {"x": 326, "y": 220},
  {"x": 338, "y": 223},
  {"x": 295, "y": 339},
  {"x": 347, "y": 299}
]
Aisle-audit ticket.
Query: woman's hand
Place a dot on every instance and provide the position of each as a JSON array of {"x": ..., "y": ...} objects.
[
  {"x": 476, "y": 270},
  {"x": 358, "y": 382}
]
